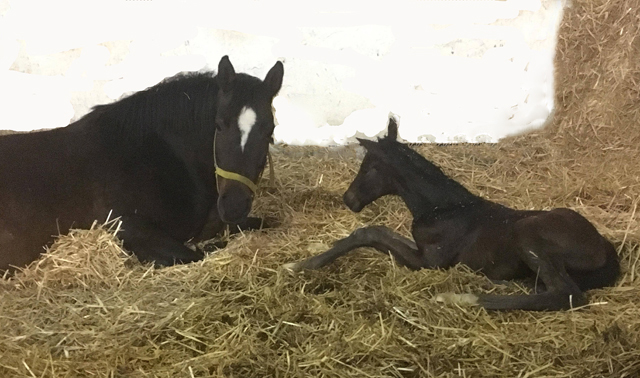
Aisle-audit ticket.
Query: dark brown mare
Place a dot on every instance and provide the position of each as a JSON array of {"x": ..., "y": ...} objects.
[
  {"x": 149, "y": 158},
  {"x": 452, "y": 225}
]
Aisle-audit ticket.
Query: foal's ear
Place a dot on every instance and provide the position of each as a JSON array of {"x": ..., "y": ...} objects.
[
  {"x": 368, "y": 144},
  {"x": 226, "y": 74},
  {"x": 392, "y": 129},
  {"x": 273, "y": 80}
]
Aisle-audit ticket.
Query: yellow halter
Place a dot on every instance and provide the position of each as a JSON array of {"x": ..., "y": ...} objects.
[{"x": 235, "y": 176}]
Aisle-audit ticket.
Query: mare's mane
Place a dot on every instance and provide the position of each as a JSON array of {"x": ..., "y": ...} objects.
[{"x": 184, "y": 103}]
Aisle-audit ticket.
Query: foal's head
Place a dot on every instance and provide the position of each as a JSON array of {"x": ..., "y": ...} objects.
[
  {"x": 391, "y": 167},
  {"x": 374, "y": 179},
  {"x": 244, "y": 129}
]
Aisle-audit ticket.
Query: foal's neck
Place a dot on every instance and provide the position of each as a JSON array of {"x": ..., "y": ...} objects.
[{"x": 425, "y": 188}]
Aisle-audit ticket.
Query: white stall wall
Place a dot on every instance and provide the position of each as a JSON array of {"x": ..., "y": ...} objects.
[{"x": 451, "y": 71}]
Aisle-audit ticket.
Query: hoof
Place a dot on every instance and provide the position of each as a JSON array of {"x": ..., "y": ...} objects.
[
  {"x": 459, "y": 299},
  {"x": 292, "y": 267}
]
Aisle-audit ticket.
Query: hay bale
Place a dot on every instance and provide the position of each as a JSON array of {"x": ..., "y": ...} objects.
[{"x": 88, "y": 310}]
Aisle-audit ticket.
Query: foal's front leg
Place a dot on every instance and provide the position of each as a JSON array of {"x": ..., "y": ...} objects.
[{"x": 379, "y": 237}]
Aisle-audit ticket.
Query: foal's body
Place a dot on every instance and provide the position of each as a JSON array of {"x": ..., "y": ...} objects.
[
  {"x": 452, "y": 225},
  {"x": 501, "y": 243},
  {"x": 148, "y": 159}
]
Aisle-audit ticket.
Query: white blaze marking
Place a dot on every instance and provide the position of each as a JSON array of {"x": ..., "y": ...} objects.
[{"x": 246, "y": 120}]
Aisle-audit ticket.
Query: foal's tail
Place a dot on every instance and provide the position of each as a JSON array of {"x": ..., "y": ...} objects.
[{"x": 547, "y": 301}]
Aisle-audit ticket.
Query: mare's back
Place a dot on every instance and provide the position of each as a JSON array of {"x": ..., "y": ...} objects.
[
  {"x": 45, "y": 154},
  {"x": 41, "y": 169}
]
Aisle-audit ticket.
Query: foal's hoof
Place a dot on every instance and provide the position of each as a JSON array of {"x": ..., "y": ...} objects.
[
  {"x": 292, "y": 267},
  {"x": 458, "y": 299}
]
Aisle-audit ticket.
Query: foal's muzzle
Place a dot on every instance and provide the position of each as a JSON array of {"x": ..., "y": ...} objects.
[{"x": 352, "y": 202}]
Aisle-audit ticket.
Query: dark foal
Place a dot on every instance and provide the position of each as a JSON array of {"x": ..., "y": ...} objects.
[
  {"x": 452, "y": 225},
  {"x": 175, "y": 161}
]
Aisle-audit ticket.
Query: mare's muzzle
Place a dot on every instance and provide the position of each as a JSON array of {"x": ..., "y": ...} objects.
[{"x": 235, "y": 196}]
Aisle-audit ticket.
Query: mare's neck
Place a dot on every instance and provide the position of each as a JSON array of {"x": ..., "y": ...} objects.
[{"x": 180, "y": 109}]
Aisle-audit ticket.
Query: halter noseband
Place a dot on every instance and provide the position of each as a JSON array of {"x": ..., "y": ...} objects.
[
  {"x": 236, "y": 177},
  {"x": 232, "y": 175}
]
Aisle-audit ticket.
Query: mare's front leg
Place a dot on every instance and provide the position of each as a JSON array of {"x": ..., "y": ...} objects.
[
  {"x": 214, "y": 229},
  {"x": 150, "y": 244},
  {"x": 379, "y": 237},
  {"x": 214, "y": 226},
  {"x": 253, "y": 223}
]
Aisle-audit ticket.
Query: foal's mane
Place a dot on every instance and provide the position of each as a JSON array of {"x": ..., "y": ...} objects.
[
  {"x": 426, "y": 178},
  {"x": 184, "y": 103},
  {"x": 406, "y": 158}
]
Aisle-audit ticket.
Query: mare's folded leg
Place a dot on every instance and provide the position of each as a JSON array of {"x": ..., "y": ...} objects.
[
  {"x": 150, "y": 244},
  {"x": 379, "y": 237},
  {"x": 213, "y": 229},
  {"x": 215, "y": 225},
  {"x": 253, "y": 223}
]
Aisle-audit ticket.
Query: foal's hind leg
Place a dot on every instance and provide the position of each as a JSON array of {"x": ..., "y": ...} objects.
[
  {"x": 537, "y": 252},
  {"x": 150, "y": 244},
  {"x": 379, "y": 237}
]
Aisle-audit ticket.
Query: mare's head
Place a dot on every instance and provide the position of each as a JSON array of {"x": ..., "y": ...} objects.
[
  {"x": 244, "y": 129},
  {"x": 375, "y": 177}
]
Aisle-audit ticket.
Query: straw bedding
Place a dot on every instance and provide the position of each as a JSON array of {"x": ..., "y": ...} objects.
[{"x": 86, "y": 309}]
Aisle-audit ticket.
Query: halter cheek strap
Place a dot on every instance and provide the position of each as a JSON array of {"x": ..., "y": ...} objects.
[{"x": 231, "y": 175}]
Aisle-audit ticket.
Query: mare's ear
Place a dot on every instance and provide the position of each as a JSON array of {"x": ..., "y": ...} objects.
[
  {"x": 226, "y": 74},
  {"x": 392, "y": 129},
  {"x": 273, "y": 80},
  {"x": 368, "y": 144}
]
